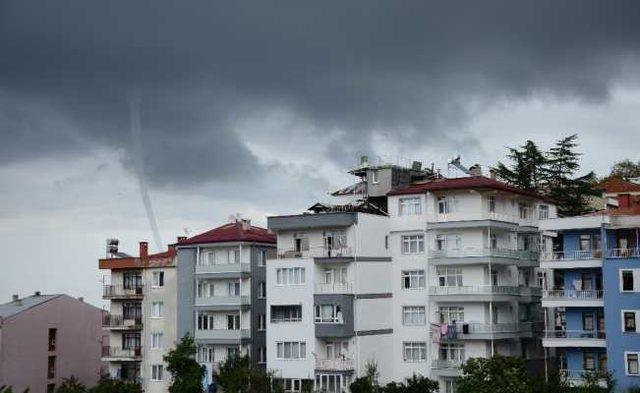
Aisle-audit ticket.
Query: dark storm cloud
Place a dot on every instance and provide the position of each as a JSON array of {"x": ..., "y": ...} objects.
[{"x": 413, "y": 69}]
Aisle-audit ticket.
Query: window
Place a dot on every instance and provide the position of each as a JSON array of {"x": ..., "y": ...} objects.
[
  {"x": 374, "y": 177},
  {"x": 205, "y": 321},
  {"x": 338, "y": 275},
  {"x": 156, "y": 372},
  {"x": 328, "y": 313},
  {"x": 262, "y": 322},
  {"x": 413, "y": 244},
  {"x": 262, "y": 258},
  {"x": 157, "y": 309},
  {"x": 290, "y": 276},
  {"x": 132, "y": 280},
  {"x": 413, "y": 315},
  {"x": 300, "y": 242},
  {"x": 627, "y": 280},
  {"x": 262, "y": 354},
  {"x": 452, "y": 352},
  {"x": 587, "y": 321},
  {"x": 233, "y": 322},
  {"x": 156, "y": 340},
  {"x": 629, "y": 321},
  {"x": 289, "y": 313},
  {"x": 410, "y": 206},
  {"x": 386, "y": 242},
  {"x": 492, "y": 203},
  {"x": 132, "y": 311},
  {"x": 585, "y": 242},
  {"x": 234, "y": 288},
  {"x": 158, "y": 279},
  {"x": 449, "y": 277},
  {"x": 206, "y": 354},
  {"x": 51, "y": 367},
  {"x": 232, "y": 352},
  {"x": 262, "y": 290},
  {"x": 493, "y": 241},
  {"x": 631, "y": 363},
  {"x": 523, "y": 210},
  {"x": 206, "y": 289},
  {"x": 291, "y": 350},
  {"x": 543, "y": 212},
  {"x": 413, "y": 279},
  {"x": 52, "y": 339},
  {"x": 51, "y": 388},
  {"x": 334, "y": 240},
  {"x": 414, "y": 351},
  {"x": 451, "y": 314},
  {"x": 446, "y": 205},
  {"x": 292, "y": 385},
  {"x": 589, "y": 361},
  {"x": 602, "y": 361},
  {"x": 336, "y": 349},
  {"x": 449, "y": 385},
  {"x": 131, "y": 341}
]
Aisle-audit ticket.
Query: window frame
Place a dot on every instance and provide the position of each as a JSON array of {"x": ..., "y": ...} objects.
[
  {"x": 157, "y": 279},
  {"x": 408, "y": 276},
  {"x": 156, "y": 372},
  {"x": 414, "y": 347},
  {"x": 636, "y": 317},
  {"x": 626, "y": 363},
  {"x": 300, "y": 347},
  {"x": 410, "y": 206},
  {"x": 622, "y": 274},
  {"x": 412, "y": 313},
  {"x": 408, "y": 240}
]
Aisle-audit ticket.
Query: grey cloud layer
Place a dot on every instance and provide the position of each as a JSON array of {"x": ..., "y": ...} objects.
[{"x": 415, "y": 69}]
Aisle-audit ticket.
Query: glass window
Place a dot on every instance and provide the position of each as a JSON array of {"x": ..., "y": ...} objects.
[
  {"x": 234, "y": 288},
  {"x": 328, "y": 313},
  {"x": 629, "y": 321},
  {"x": 627, "y": 280},
  {"x": 414, "y": 351},
  {"x": 585, "y": 242},
  {"x": 413, "y": 315},
  {"x": 410, "y": 206},
  {"x": 492, "y": 203},
  {"x": 451, "y": 314},
  {"x": 587, "y": 321},
  {"x": 291, "y": 350},
  {"x": 413, "y": 244},
  {"x": 233, "y": 322},
  {"x": 589, "y": 361},
  {"x": 157, "y": 309},
  {"x": 632, "y": 363},
  {"x": 156, "y": 340},
  {"x": 286, "y": 313},
  {"x": 445, "y": 205},
  {"x": 449, "y": 277},
  {"x": 413, "y": 279},
  {"x": 156, "y": 372},
  {"x": 290, "y": 276},
  {"x": 206, "y": 354},
  {"x": 543, "y": 212},
  {"x": 452, "y": 352},
  {"x": 158, "y": 279},
  {"x": 374, "y": 177}
]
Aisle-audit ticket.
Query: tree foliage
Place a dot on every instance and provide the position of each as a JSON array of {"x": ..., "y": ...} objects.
[
  {"x": 498, "y": 374},
  {"x": 369, "y": 383},
  {"x": 186, "y": 373},
  {"x": 237, "y": 375},
  {"x": 107, "y": 384},
  {"x": 625, "y": 169},
  {"x": 552, "y": 174},
  {"x": 71, "y": 385}
]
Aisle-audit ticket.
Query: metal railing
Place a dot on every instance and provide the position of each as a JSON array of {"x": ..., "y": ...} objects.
[
  {"x": 315, "y": 252},
  {"x": 112, "y": 320},
  {"x": 491, "y": 328},
  {"x": 474, "y": 290},
  {"x": 580, "y": 376},
  {"x": 572, "y": 294},
  {"x": 336, "y": 287},
  {"x": 623, "y": 252},
  {"x": 575, "y": 255},
  {"x": 446, "y": 364},
  {"x": 340, "y": 364},
  {"x": 575, "y": 334},
  {"x": 470, "y": 216},
  {"x": 484, "y": 252},
  {"x": 116, "y": 291},
  {"x": 118, "y": 352}
]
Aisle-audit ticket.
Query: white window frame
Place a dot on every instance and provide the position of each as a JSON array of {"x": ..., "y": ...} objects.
[
  {"x": 410, "y": 206},
  {"x": 156, "y": 372},
  {"x": 375, "y": 178},
  {"x": 626, "y": 363},
  {"x": 414, "y": 316},
  {"x": 206, "y": 354},
  {"x": 454, "y": 351},
  {"x": 412, "y": 244},
  {"x": 262, "y": 290},
  {"x": 235, "y": 292},
  {"x": 290, "y": 276},
  {"x": 292, "y": 385},
  {"x": 450, "y": 275},
  {"x": 157, "y": 310},
  {"x": 491, "y": 203},
  {"x": 415, "y": 277},
  {"x": 262, "y": 355},
  {"x": 292, "y": 316},
  {"x": 633, "y": 280},
  {"x": 336, "y": 317},
  {"x": 262, "y": 322},
  {"x": 262, "y": 258},
  {"x": 297, "y": 350},
  {"x": 448, "y": 314},
  {"x": 412, "y": 348},
  {"x": 543, "y": 212},
  {"x": 636, "y": 318},
  {"x": 156, "y": 340},
  {"x": 158, "y": 279}
]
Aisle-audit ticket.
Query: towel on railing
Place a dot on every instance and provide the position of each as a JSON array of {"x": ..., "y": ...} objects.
[{"x": 453, "y": 331}]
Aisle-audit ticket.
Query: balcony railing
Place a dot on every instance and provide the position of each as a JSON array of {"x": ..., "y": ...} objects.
[
  {"x": 118, "y": 321},
  {"x": 575, "y": 334},
  {"x": 469, "y": 216},
  {"x": 575, "y": 255},
  {"x": 446, "y": 364},
  {"x": 223, "y": 268},
  {"x": 336, "y": 287},
  {"x": 484, "y": 252},
  {"x": 223, "y": 301},
  {"x": 223, "y": 334},
  {"x": 316, "y": 252},
  {"x": 623, "y": 253},
  {"x": 117, "y": 352},
  {"x": 494, "y": 328},
  {"x": 343, "y": 364},
  {"x": 474, "y": 290},
  {"x": 578, "y": 377},
  {"x": 572, "y": 294},
  {"x": 121, "y": 291}
]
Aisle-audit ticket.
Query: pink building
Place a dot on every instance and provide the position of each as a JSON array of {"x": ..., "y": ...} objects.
[{"x": 45, "y": 338}]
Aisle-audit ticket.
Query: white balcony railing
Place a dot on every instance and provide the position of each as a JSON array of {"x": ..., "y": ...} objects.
[
  {"x": 336, "y": 287},
  {"x": 341, "y": 364},
  {"x": 222, "y": 301},
  {"x": 446, "y": 364},
  {"x": 575, "y": 334},
  {"x": 316, "y": 252},
  {"x": 223, "y": 268},
  {"x": 223, "y": 334},
  {"x": 572, "y": 294},
  {"x": 470, "y": 216},
  {"x": 575, "y": 255},
  {"x": 474, "y": 290},
  {"x": 484, "y": 252},
  {"x": 623, "y": 253},
  {"x": 579, "y": 377}
]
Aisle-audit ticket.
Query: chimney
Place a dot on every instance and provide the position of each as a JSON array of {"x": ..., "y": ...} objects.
[
  {"x": 180, "y": 239},
  {"x": 81, "y": 299},
  {"x": 144, "y": 249},
  {"x": 475, "y": 170},
  {"x": 36, "y": 293},
  {"x": 492, "y": 173},
  {"x": 246, "y": 223},
  {"x": 15, "y": 298}
]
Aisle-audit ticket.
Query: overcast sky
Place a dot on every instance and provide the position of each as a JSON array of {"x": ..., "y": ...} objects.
[{"x": 259, "y": 107}]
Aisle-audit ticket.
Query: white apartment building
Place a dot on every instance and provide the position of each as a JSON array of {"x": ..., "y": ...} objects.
[
  {"x": 329, "y": 299},
  {"x": 141, "y": 323},
  {"x": 465, "y": 275}
]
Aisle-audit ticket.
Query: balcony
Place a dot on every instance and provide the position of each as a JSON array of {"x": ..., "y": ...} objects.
[
  {"x": 476, "y": 293},
  {"x": 121, "y": 292},
  {"x": 222, "y": 336},
  {"x": 223, "y": 302},
  {"x": 571, "y": 259},
  {"x": 572, "y": 298},
  {"x": 470, "y": 255},
  {"x": 617, "y": 253},
  {"x": 574, "y": 338},
  {"x": 121, "y": 354},
  {"x": 336, "y": 287},
  {"x": 342, "y": 364},
  {"x": 580, "y": 377},
  {"x": 446, "y": 368},
  {"x": 489, "y": 331},
  {"x": 118, "y": 322},
  {"x": 321, "y": 254},
  {"x": 224, "y": 270},
  {"x": 477, "y": 219}
]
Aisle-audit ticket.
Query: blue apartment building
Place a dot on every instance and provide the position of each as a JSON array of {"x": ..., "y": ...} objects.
[{"x": 591, "y": 270}]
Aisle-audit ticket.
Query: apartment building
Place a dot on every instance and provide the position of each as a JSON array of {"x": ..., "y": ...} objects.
[
  {"x": 592, "y": 295},
  {"x": 46, "y": 338},
  {"x": 465, "y": 283},
  {"x": 330, "y": 300},
  {"x": 222, "y": 293},
  {"x": 141, "y": 322}
]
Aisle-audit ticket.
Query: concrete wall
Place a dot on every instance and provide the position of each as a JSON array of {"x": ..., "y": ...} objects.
[
  {"x": 24, "y": 344},
  {"x": 186, "y": 291},
  {"x": 258, "y": 306}
]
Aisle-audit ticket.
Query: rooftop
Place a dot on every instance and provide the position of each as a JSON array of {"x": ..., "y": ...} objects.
[
  {"x": 462, "y": 183},
  {"x": 239, "y": 231},
  {"x": 17, "y": 306},
  {"x": 614, "y": 186}
]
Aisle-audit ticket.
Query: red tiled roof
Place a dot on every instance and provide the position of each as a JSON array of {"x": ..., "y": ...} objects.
[
  {"x": 233, "y": 232},
  {"x": 461, "y": 183},
  {"x": 618, "y": 186}
]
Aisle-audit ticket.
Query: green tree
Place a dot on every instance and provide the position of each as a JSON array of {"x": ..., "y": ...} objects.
[
  {"x": 498, "y": 374},
  {"x": 625, "y": 169},
  {"x": 527, "y": 169},
  {"x": 107, "y": 384},
  {"x": 238, "y": 376},
  {"x": 186, "y": 373},
  {"x": 369, "y": 382},
  {"x": 593, "y": 383},
  {"x": 71, "y": 385},
  {"x": 415, "y": 384}
]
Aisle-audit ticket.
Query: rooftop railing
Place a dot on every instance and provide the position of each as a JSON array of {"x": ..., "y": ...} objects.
[
  {"x": 575, "y": 255},
  {"x": 572, "y": 294}
]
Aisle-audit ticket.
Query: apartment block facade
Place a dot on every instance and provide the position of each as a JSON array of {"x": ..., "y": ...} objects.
[
  {"x": 141, "y": 322},
  {"x": 330, "y": 300},
  {"x": 592, "y": 295},
  {"x": 222, "y": 293}
]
